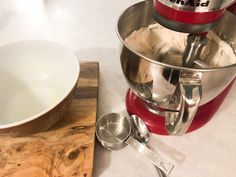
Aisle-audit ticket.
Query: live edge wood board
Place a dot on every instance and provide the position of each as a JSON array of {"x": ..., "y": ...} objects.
[{"x": 65, "y": 150}]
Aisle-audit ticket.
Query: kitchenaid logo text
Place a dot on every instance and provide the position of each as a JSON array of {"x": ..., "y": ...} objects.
[{"x": 191, "y": 3}]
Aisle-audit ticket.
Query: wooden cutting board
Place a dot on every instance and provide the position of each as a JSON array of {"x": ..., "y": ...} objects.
[{"x": 65, "y": 150}]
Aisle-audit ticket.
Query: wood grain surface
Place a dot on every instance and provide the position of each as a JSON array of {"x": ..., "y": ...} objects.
[{"x": 65, "y": 150}]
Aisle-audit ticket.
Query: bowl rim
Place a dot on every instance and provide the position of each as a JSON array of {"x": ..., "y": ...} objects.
[{"x": 63, "y": 97}]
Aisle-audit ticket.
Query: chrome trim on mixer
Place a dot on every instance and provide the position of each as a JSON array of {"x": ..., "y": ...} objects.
[{"x": 190, "y": 94}]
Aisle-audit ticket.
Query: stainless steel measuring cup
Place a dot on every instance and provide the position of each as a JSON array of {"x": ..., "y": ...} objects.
[{"x": 114, "y": 131}]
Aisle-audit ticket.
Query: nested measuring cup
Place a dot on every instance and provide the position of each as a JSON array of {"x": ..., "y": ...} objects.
[{"x": 114, "y": 132}]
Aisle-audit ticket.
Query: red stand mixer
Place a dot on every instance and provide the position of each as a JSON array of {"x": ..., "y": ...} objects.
[{"x": 174, "y": 100}]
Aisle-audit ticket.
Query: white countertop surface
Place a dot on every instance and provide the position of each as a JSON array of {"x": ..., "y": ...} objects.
[{"x": 88, "y": 27}]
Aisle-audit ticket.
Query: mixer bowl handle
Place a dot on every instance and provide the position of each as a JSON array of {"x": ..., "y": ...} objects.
[{"x": 188, "y": 95}]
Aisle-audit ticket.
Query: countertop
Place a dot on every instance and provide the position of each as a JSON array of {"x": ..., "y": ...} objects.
[{"x": 88, "y": 28}]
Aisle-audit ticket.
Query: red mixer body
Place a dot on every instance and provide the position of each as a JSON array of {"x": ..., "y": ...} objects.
[
  {"x": 156, "y": 124},
  {"x": 191, "y": 16}
]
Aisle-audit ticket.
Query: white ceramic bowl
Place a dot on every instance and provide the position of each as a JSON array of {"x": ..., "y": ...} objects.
[{"x": 36, "y": 84}]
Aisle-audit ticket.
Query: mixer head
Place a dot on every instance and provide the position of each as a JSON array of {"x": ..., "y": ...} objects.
[{"x": 190, "y": 16}]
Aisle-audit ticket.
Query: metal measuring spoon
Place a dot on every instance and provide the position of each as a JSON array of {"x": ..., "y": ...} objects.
[
  {"x": 113, "y": 131},
  {"x": 141, "y": 133}
]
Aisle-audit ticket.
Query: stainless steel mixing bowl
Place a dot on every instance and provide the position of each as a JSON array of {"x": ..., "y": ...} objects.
[{"x": 179, "y": 91}]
